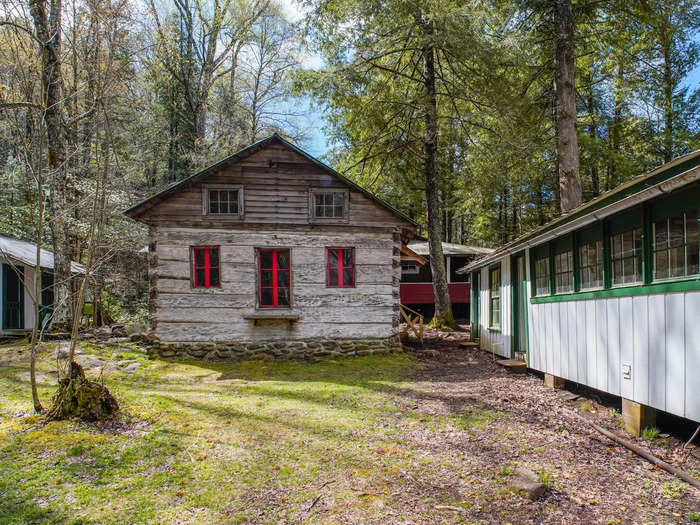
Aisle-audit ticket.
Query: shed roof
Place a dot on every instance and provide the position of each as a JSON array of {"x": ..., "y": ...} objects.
[
  {"x": 139, "y": 209},
  {"x": 25, "y": 252},
  {"x": 448, "y": 248},
  {"x": 682, "y": 171}
]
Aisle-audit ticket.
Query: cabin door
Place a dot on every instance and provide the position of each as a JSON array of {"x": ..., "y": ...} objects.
[
  {"x": 519, "y": 305},
  {"x": 12, "y": 297}
]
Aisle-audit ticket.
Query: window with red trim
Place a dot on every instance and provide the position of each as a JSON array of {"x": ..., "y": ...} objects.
[
  {"x": 274, "y": 278},
  {"x": 206, "y": 267},
  {"x": 341, "y": 268}
]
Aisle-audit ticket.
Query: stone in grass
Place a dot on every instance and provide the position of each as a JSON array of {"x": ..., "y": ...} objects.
[
  {"x": 132, "y": 367},
  {"x": 527, "y": 483}
]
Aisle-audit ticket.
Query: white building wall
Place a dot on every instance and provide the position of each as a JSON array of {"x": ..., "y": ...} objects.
[
  {"x": 592, "y": 341},
  {"x": 496, "y": 341}
]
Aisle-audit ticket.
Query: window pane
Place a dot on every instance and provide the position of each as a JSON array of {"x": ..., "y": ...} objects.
[
  {"x": 199, "y": 258},
  {"x": 318, "y": 199},
  {"x": 233, "y": 201},
  {"x": 339, "y": 199},
  {"x": 214, "y": 257},
  {"x": 660, "y": 264},
  {"x": 338, "y": 211},
  {"x": 214, "y": 277},
  {"x": 266, "y": 297},
  {"x": 319, "y": 211},
  {"x": 660, "y": 235},
  {"x": 283, "y": 278},
  {"x": 266, "y": 278},
  {"x": 265, "y": 259},
  {"x": 691, "y": 232},
  {"x": 676, "y": 261},
  {"x": 333, "y": 277},
  {"x": 283, "y": 297},
  {"x": 347, "y": 277},
  {"x": 347, "y": 257},
  {"x": 333, "y": 258},
  {"x": 677, "y": 230},
  {"x": 199, "y": 278},
  {"x": 283, "y": 259}
]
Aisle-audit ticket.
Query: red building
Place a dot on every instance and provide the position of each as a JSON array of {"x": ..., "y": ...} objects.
[{"x": 417, "y": 279}]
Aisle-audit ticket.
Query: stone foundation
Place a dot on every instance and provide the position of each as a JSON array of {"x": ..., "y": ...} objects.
[{"x": 275, "y": 350}]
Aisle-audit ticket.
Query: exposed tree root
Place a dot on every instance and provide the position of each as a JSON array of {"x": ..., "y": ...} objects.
[{"x": 78, "y": 397}]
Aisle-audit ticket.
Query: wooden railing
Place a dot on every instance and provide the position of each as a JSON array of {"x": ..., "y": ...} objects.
[{"x": 414, "y": 321}]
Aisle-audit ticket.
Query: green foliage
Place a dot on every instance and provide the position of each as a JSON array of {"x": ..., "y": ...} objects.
[
  {"x": 545, "y": 477},
  {"x": 694, "y": 517},
  {"x": 650, "y": 433}
]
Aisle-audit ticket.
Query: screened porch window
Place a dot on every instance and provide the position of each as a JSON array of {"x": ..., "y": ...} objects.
[
  {"x": 675, "y": 246},
  {"x": 495, "y": 297},
  {"x": 564, "y": 272},
  {"x": 590, "y": 256},
  {"x": 626, "y": 257},
  {"x": 542, "y": 275},
  {"x": 275, "y": 280}
]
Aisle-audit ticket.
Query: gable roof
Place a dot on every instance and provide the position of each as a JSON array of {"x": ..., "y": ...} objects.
[
  {"x": 25, "y": 252},
  {"x": 676, "y": 173},
  {"x": 142, "y": 207}
]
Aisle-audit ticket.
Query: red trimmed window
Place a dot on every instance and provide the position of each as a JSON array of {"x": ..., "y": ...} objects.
[
  {"x": 341, "y": 268},
  {"x": 274, "y": 278},
  {"x": 206, "y": 267}
]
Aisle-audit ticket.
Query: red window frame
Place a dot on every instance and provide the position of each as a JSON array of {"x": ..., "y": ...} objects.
[
  {"x": 275, "y": 269},
  {"x": 340, "y": 266},
  {"x": 207, "y": 267}
]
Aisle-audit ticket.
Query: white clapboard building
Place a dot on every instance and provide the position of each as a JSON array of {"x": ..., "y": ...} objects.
[{"x": 607, "y": 295}]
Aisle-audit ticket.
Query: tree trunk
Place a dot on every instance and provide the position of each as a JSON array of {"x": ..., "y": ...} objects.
[
  {"x": 567, "y": 141},
  {"x": 47, "y": 25},
  {"x": 668, "y": 103},
  {"x": 443, "y": 307},
  {"x": 36, "y": 329}
]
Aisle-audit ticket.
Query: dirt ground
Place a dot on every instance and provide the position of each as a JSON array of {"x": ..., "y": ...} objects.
[{"x": 592, "y": 479}]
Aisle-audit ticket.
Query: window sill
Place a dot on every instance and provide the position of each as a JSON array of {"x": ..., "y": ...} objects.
[
  {"x": 272, "y": 314},
  {"x": 685, "y": 285}
]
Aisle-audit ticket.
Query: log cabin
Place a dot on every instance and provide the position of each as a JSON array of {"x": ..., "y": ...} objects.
[
  {"x": 607, "y": 296},
  {"x": 272, "y": 253}
]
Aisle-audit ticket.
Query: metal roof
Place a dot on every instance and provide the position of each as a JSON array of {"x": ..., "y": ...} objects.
[
  {"x": 25, "y": 252},
  {"x": 626, "y": 195},
  {"x": 448, "y": 248}
]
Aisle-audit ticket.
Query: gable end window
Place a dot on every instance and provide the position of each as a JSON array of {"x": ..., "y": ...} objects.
[
  {"x": 341, "y": 268},
  {"x": 206, "y": 272},
  {"x": 224, "y": 201},
  {"x": 329, "y": 204},
  {"x": 274, "y": 278}
]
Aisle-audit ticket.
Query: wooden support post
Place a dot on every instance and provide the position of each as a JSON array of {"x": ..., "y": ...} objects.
[
  {"x": 637, "y": 416},
  {"x": 553, "y": 381}
]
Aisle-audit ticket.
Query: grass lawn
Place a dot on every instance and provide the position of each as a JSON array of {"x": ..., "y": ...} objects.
[{"x": 354, "y": 440}]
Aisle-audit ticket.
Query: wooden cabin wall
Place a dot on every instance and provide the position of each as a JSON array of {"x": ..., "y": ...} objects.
[
  {"x": 185, "y": 314},
  {"x": 657, "y": 335},
  {"x": 276, "y": 183},
  {"x": 496, "y": 341}
]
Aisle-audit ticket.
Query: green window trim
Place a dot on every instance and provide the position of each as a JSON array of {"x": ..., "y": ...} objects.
[
  {"x": 686, "y": 285},
  {"x": 495, "y": 298}
]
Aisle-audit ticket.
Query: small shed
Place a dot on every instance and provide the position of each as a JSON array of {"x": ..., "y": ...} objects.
[
  {"x": 18, "y": 261},
  {"x": 607, "y": 295}
]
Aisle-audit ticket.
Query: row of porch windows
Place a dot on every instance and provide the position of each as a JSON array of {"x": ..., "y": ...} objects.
[
  {"x": 582, "y": 265},
  {"x": 274, "y": 272}
]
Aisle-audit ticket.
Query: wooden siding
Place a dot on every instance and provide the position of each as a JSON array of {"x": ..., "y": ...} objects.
[
  {"x": 185, "y": 314},
  {"x": 496, "y": 341},
  {"x": 590, "y": 341},
  {"x": 276, "y": 185}
]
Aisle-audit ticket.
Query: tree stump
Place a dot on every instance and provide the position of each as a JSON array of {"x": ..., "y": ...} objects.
[{"x": 78, "y": 397}]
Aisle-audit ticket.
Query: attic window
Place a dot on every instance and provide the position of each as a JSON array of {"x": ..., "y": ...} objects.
[
  {"x": 329, "y": 204},
  {"x": 223, "y": 201}
]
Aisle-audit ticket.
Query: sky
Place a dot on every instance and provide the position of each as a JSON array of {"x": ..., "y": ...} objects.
[{"x": 317, "y": 143}]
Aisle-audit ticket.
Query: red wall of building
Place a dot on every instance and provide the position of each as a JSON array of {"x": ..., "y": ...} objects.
[{"x": 422, "y": 293}]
